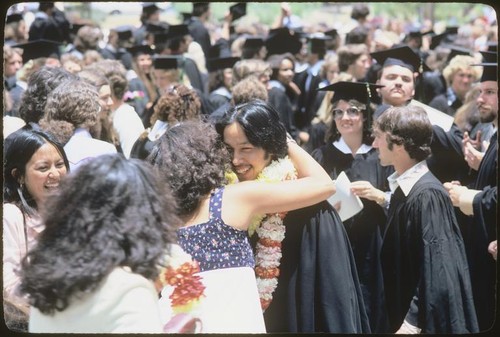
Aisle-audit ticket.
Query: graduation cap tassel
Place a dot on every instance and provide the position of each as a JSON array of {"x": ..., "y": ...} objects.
[{"x": 368, "y": 106}]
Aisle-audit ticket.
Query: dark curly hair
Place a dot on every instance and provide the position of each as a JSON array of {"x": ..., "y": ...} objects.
[
  {"x": 261, "y": 124},
  {"x": 111, "y": 212},
  {"x": 333, "y": 134},
  {"x": 192, "y": 159},
  {"x": 178, "y": 104},
  {"x": 19, "y": 147},
  {"x": 408, "y": 126},
  {"x": 39, "y": 85}
]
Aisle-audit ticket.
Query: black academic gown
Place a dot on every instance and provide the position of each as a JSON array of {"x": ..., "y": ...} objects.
[
  {"x": 278, "y": 99},
  {"x": 306, "y": 100},
  {"x": 318, "y": 287},
  {"x": 481, "y": 230},
  {"x": 365, "y": 228},
  {"x": 426, "y": 279},
  {"x": 447, "y": 161}
]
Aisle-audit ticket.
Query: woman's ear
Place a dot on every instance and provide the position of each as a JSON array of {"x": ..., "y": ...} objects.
[{"x": 15, "y": 173}]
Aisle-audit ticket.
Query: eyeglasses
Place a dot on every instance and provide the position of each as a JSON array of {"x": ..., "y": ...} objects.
[{"x": 351, "y": 113}]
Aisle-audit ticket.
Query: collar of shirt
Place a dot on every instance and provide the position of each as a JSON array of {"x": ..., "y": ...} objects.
[
  {"x": 408, "y": 179},
  {"x": 81, "y": 132},
  {"x": 315, "y": 68},
  {"x": 452, "y": 97},
  {"x": 277, "y": 84},
  {"x": 223, "y": 92},
  {"x": 342, "y": 146},
  {"x": 158, "y": 130}
]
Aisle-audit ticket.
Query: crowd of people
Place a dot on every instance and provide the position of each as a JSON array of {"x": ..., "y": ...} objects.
[{"x": 176, "y": 177}]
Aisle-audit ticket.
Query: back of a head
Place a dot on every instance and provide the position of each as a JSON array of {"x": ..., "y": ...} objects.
[
  {"x": 40, "y": 84},
  {"x": 245, "y": 68},
  {"x": 249, "y": 89},
  {"x": 409, "y": 126},
  {"x": 192, "y": 160},
  {"x": 177, "y": 104}
]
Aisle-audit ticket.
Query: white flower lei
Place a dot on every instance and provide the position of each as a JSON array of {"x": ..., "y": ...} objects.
[{"x": 270, "y": 231}]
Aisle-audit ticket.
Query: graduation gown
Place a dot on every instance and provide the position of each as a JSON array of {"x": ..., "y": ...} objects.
[
  {"x": 279, "y": 100},
  {"x": 365, "y": 228},
  {"x": 480, "y": 232},
  {"x": 306, "y": 100},
  {"x": 318, "y": 287},
  {"x": 426, "y": 279},
  {"x": 447, "y": 161}
]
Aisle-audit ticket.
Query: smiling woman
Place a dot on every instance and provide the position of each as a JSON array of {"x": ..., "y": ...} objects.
[{"x": 34, "y": 164}]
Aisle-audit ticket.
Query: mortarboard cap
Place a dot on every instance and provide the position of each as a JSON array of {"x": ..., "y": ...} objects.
[
  {"x": 124, "y": 32},
  {"x": 149, "y": 7},
  {"x": 177, "y": 31},
  {"x": 186, "y": 16},
  {"x": 492, "y": 47},
  {"x": 160, "y": 27},
  {"x": 451, "y": 30},
  {"x": 317, "y": 43},
  {"x": 160, "y": 37},
  {"x": 39, "y": 48},
  {"x": 253, "y": 42},
  {"x": 200, "y": 6},
  {"x": 444, "y": 38},
  {"x": 238, "y": 10},
  {"x": 280, "y": 41},
  {"x": 489, "y": 57},
  {"x": 490, "y": 71},
  {"x": 166, "y": 62},
  {"x": 333, "y": 33},
  {"x": 219, "y": 50},
  {"x": 402, "y": 56},
  {"x": 140, "y": 50},
  {"x": 16, "y": 17},
  {"x": 362, "y": 92},
  {"x": 218, "y": 63},
  {"x": 456, "y": 50}
]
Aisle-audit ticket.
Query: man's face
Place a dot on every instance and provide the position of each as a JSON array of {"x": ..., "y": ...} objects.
[
  {"x": 380, "y": 143},
  {"x": 399, "y": 85},
  {"x": 487, "y": 102}
]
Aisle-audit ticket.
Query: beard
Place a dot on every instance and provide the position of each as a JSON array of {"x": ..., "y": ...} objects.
[{"x": 487, "y": 116}]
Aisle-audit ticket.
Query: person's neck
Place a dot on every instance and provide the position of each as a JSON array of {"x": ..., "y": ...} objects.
[
  {"x": 404, "y": 164},
  {"x": 354, "y": 142}
]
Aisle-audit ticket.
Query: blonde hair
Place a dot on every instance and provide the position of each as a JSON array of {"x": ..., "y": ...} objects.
[{"x": 460, "y": 62}]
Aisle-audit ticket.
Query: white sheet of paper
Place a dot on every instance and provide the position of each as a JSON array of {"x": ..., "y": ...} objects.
[
  {"x": 350, "y": 204},
  {"x": 436, "y": 117}
]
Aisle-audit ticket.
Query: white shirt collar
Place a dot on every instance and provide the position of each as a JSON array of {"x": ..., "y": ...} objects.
[
  {"x": 408, "y": 179},
  {"x": 158, "y": 129},
  {"x": 82, "y": 132},
  {"x": 342, "y": 146}
]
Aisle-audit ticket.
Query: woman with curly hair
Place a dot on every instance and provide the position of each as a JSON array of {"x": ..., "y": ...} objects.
[
  {"x": 179, "y": 103},
  {"x": 93, "y": 268},
  {"x": 193, "y": 161},
  {"x": 71, "y": 110},
  {"x": 34, "y": 163},
  {"x": 40, "y": 84}
]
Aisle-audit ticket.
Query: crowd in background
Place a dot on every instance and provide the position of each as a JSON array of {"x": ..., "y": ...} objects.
[{"x": 117, "y": 147}]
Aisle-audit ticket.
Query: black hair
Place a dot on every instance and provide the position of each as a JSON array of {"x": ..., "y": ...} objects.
[
  {"x": 261, "y": 124},
  {"x": 19, "y": 147}
]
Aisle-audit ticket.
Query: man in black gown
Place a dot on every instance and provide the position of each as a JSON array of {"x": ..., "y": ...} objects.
[
  {"x": 480, "y": 204},
  {"x": 424, "y": 264}
]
